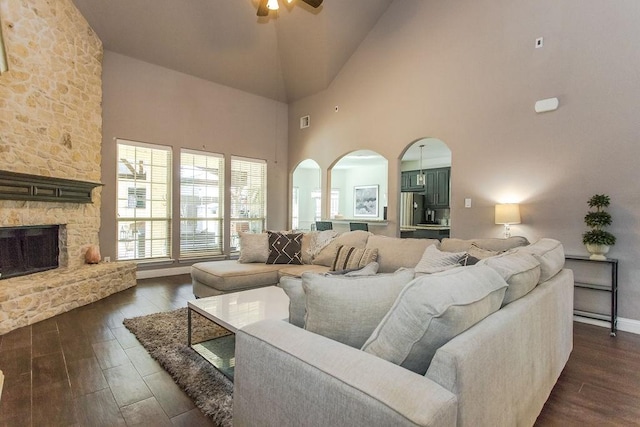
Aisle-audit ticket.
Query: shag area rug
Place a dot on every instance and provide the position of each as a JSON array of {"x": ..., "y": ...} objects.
[{"x": 164, "y": 336}]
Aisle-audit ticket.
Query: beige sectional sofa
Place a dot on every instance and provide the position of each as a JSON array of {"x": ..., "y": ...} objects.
[
  {"x": 481, "y": 345},
  {"x": 218, "y": 277}
]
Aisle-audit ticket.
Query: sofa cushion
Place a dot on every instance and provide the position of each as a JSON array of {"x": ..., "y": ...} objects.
[
  {"x": 394, "y": 253},
  {"x": 254, "y": 247},
  {"x": 433, "y": 309},
  {"x": 350, "y": 258},
  {"x": 434, "y": 260},
  {"x": 519, "y": 269},
  {"x": 284, "y": 248},
  {"x": 292, "y": 286},
  {"x": 230, "y": 275},
  {"x": 550, "y": 255},
  {"x": 326, "y": 256},
  {"x": 348, "y": 309},
  {"x": 293, "y": 270},
  {"x": 491, "y": 244}
]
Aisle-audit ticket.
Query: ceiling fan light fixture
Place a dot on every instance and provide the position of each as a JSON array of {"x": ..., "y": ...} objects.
[{"x": 273, "y": 5}]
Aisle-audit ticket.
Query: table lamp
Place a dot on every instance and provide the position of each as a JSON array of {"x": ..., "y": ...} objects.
[{"x": 507, "y": 214}]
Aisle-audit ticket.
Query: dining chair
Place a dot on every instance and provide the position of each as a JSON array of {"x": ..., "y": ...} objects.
[
  {"x": 324, "y": 225},
  {"x": 358, "y": 226}
]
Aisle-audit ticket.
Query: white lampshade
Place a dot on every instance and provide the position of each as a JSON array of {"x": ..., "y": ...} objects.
[
  {"x": 272, "y": 5},
  {"x": 508, "y": 213}
]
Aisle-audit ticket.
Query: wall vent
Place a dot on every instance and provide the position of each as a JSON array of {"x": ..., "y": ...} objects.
[{"x": 305, "y": 121}]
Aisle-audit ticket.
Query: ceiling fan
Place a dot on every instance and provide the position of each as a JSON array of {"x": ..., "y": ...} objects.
[{"x": 266, "y": 5}]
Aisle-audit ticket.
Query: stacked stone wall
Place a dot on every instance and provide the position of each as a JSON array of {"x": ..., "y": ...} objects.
[
  {"x": 51, "y": 114},
  {"x": 51, "y": 125}
]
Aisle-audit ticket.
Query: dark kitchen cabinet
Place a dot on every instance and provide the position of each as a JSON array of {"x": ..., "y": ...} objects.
[
  {"x": 437, "y": 187},
  {"x": 409, "y": 181}
]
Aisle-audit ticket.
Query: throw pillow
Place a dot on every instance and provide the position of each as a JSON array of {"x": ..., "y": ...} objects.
[
  {"x": 357, "y": 239},
  {"x": 520, "y": 270},
  {"x": 350, "y": 258},
  {"x": 468, "y": 260},
  {"x": 284, "y": 248},
  {"x": 254, "y": 247},
  {"x": 394, "y": 253},
  {"x": 308, "y": 242},
  {"x": 432, "y": 310},
  {"x": 480, "y": 253},
  {"x": 434, "y": 260},
  {"x": 370, "y": 269},
  {"x": 348, "y": 309}
]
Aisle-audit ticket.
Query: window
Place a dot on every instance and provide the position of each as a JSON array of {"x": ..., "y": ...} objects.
[
  {"x": 201, "y": 204},
  {"x": 248, "y": 197},
  {"x": 334, "y": 210},
  {"x": 144, "y": 201}
]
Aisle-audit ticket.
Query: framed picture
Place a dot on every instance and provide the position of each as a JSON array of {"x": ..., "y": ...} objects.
[{"x": 365, "y": 201}]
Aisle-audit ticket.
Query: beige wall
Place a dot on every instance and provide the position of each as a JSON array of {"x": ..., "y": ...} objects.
[
  {"x": 147, "y": 103},
  {"x": 466, "y": 72},
  {"x": 50, "y": 114}
]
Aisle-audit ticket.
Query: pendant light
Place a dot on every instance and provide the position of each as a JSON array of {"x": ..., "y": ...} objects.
[{"x": 421, "y": 178}]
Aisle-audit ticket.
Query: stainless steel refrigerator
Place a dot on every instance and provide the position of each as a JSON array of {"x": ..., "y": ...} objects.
[{"x": 411, "y": 209}]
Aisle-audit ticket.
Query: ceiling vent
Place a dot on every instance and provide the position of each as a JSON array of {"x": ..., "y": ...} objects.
[{"x": 305, "y": 121}]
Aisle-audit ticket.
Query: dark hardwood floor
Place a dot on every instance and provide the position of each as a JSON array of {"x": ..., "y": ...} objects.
[
  {"x": 600, "y": 386},
  {"x": 84, "y": 368}
]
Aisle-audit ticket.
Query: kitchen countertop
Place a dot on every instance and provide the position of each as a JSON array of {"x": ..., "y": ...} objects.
[{"x": 425, "y": 227}]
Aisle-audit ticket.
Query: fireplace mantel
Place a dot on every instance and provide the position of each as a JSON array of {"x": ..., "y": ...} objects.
[{"x": 21, "y": 186}]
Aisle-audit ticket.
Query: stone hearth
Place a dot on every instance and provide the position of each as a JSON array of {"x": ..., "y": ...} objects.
[{"x": 29, "y": 299}]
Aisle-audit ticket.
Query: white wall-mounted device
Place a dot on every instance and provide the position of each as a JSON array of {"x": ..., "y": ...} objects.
[{"x": 544, "y": 105}]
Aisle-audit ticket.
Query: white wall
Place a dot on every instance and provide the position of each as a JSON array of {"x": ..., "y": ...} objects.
[{"x": 467, "y": 72}]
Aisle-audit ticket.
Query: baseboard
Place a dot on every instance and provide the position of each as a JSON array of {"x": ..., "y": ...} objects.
[
  {"x": 629, "y": 325},
  {"x": 626, "y": 325},
  {"x": 162, "y": 272}
]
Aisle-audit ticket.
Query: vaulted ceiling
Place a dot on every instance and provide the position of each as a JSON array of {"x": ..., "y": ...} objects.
[{"x": 293, "y": 53}]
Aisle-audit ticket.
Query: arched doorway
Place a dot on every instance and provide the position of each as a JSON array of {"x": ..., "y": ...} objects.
[
  {"x": 425, "y": 186},
  {"x": 306, "y": 203}
]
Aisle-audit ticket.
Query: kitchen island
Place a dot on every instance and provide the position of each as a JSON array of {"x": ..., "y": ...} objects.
[{"x": 425, "y": 231}]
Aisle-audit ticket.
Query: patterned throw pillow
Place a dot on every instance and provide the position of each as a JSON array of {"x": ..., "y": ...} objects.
[
  {"x": 284, "y": 248},
  {"x": 350, "y": 258}
]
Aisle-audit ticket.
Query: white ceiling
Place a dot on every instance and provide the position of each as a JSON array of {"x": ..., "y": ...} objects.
[{"x": 293, "y": 53}]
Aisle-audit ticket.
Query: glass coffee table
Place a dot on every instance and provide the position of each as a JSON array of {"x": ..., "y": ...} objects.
[{"x": 232, "y": 312}]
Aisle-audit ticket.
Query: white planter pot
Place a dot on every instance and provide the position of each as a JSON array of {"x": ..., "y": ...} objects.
[{"x": 598, "y": 252}]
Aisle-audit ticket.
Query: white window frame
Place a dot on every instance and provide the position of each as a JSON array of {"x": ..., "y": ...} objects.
[
  {"x": 202, "y": 224},
  {"x": 248, "y": 198},
  {"x": 143, "y": 227}
]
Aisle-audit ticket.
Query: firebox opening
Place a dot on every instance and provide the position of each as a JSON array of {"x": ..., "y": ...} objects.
[{"x": 27, "y": 250}]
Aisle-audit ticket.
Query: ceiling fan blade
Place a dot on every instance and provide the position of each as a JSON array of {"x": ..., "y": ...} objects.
[
  {"x": 262, "y": 8},
  {"x": 313, "y": 3}
]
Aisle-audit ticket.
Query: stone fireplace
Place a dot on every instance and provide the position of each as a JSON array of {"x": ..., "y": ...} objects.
[{"x": 50, "y": 128}]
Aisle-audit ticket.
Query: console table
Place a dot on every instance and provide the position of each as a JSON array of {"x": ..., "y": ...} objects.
[{"x": 610, "y": 287}]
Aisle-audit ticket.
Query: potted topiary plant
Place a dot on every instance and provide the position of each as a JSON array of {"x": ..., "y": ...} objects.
[{"x": 598, "y": 240}]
